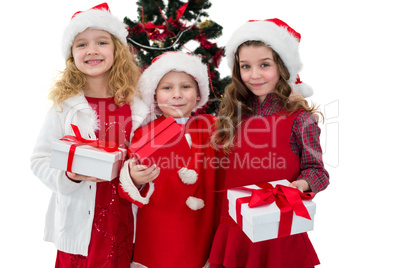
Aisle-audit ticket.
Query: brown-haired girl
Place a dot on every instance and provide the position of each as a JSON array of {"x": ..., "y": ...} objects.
[{"x": 268, "y": 132}]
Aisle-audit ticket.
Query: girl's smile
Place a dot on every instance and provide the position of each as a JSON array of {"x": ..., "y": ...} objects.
[
  {"x": 93, "y": 62},
  {"x": 93, "y": 52},
  {"x": 258, "y": 70},
  {"x": 258, "y": 85}
]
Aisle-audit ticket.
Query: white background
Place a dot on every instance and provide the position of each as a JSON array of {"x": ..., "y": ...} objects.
[{"x": 352, "y": 58}]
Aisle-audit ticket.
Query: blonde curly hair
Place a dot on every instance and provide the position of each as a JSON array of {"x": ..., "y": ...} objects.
[{"x": 122, "y": 79}]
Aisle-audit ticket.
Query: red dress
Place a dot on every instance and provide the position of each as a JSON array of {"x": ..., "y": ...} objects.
[
  {"x": 111, "y": 243},
  {"x": 231, "y": 247},
  {"x": 169, "y": 233}
]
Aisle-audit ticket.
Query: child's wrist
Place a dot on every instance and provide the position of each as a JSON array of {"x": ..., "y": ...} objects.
[
  {"x": 306, "y": 186},
  {"x": 132, "y": 178},
  {"x": 71, "y": 179},
  {"x": 136, "y": 184}
]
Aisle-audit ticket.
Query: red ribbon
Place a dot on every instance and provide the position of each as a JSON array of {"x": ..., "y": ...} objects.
[
  {"x": 149, "y": 26},
  {"x": 287, "y": 199},
  {"x": 78, "y": 140}
]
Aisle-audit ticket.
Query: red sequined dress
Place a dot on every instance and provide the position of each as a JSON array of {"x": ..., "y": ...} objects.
[{"x": 111, "y": 243}]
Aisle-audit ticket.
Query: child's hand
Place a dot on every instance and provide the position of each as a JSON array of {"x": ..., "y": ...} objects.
[
  {"x": 141, "y": 174},
  {"x": 78, "y": 177},
  {"x": 302, "y": 185}
]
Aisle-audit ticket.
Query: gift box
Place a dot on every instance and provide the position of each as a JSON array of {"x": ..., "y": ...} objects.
[
  {"x": 87, "y": 157},
  {"x": 276, "y": 210},
  {"x": 164, "y": 144},
  {"x": 88, "y": 160}
]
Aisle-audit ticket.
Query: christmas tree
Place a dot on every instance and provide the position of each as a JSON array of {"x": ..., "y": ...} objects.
[{"x": 174, "y": 26}]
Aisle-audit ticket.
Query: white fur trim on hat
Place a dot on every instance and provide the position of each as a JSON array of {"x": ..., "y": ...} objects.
[
  {"x": 187, "y": 176},
  {"x": 140, "y": 114},
  {"x": 304, "y": 89},
  {"x": 195, "y": 203},
  {"x": 279, "y": 39},
  {"x": 179, "y": 62},
  {"x": 98, "y": 18}
]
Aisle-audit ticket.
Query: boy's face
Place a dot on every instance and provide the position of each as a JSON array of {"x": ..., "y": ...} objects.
[{"x": 177, "y": 94}]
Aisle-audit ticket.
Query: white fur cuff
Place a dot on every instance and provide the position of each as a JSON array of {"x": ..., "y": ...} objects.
[{"x": 129, "y": 187}]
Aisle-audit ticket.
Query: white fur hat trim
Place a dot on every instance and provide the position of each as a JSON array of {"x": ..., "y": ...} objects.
[
  {"x": 304, "y": 89},
  {"x": 195, "y": 203},
  {"x": 179, "y": 62},
  {"x": 99, "y": 18},
  {"x": 279, "y": 38},
  {"x": 187, "y": 176}
]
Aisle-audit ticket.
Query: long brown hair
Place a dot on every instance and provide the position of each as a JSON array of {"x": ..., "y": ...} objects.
[
  {"x": 122, "y": 78},
  {"x": 234, "y": 103}
]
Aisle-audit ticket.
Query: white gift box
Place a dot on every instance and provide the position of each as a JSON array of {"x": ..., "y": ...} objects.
[
  {"x": 262, "y": 223},
  {"x": 88, "y": 160}
]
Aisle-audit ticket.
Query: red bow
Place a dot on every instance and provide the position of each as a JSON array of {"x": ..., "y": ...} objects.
[
  {"x": 78, "y": 140},
  {"x": 150, "y": 27},
  {"x": 179, "y": 13},
  {"x": 287, "y": 199}
]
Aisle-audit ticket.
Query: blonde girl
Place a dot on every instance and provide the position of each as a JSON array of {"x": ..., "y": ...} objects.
[{"x": 90, "y": 225}]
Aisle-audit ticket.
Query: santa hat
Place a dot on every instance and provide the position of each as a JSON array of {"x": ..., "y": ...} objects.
[
  {"x": 99, "y": 18},
  {"x": 179, "y": 62},
  {"x": 281, "y": 38}
]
